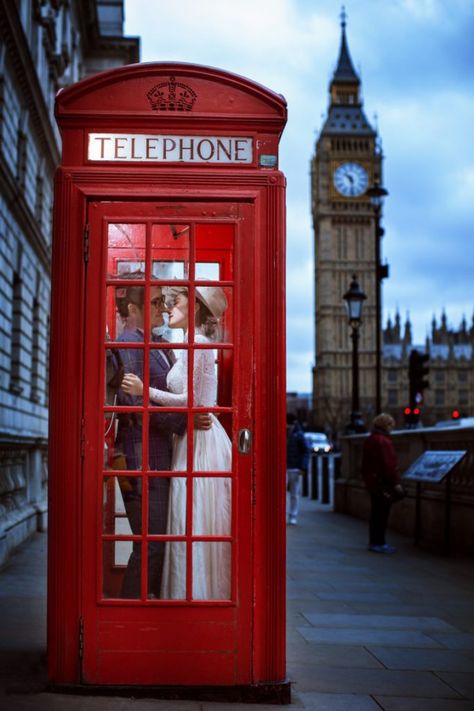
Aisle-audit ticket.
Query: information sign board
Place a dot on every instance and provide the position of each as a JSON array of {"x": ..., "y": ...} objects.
[{"x": 434, "y": 465}]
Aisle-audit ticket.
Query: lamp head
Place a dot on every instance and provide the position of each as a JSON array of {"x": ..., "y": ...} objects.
[
  {"x": 376, "y": 194},
  {"x": 354, "y": 299}
]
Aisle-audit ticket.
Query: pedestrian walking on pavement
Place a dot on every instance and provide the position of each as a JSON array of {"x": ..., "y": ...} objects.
[
  {"x": 295, "y": 459},
  {"x": 381, "y": 474}
]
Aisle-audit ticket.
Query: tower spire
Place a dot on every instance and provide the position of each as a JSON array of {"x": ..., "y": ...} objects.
[
  {"x": 343, "y": 17},
  {"x": 345, "y": 71}
]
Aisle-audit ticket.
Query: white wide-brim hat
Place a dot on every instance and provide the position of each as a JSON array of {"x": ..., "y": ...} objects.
[{"x": 214, "y": 298}]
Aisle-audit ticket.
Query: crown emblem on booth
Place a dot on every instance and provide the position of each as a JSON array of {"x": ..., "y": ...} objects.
[{"x": 171, "y": 95}]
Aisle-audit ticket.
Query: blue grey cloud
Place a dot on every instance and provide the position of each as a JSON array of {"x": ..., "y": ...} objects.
[{"x": 416, "y": 59}]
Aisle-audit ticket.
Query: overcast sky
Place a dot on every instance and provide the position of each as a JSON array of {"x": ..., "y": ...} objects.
[{"x": 416, "y": 62}]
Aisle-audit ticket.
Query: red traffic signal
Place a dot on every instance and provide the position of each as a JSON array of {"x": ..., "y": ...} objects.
[
  {"x": 412, "y": 416},
  {"x": 455, "y": 415}
]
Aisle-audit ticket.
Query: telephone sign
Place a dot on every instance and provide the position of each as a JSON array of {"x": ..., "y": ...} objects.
[{"x": 162, "y": 149}]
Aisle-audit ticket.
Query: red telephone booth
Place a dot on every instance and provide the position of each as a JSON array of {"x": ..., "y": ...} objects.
[{"x": 167, "y": 400}]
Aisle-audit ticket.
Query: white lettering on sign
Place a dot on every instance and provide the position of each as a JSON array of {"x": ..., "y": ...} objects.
[{"x": 166, "y": 149}]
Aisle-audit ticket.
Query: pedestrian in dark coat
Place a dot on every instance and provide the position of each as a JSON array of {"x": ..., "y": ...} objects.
[
  {"x": 381, "y": 474},
  {"x": 295, "y": 461}
]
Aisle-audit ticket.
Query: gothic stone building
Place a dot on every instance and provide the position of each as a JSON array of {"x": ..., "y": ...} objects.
[
  {"x": 44, "y": 46},
  {"x": 347, "y": 161},
  {"x": 451, "y": 373}
]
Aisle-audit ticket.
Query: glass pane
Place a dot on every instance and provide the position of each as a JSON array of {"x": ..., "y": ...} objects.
[
  {"x": 158, "y": 499},
  {"x": 125, "y": 318},
  {"x": 114, "y": 457},
  {"x": 127, "y": 268},
  {"x": 213, "y": 320},
  {"x": 170, "y": 251},
  {"x": 212, "y": 509},
  {"x": 119, "y": 388},
  {"x": 123, "y": 441},
  {"x": 115, "y": 519},
  {"x": 213, "y": 376},
  {"x": 224, "y": 365},
  {"x": 167, "y": 441},
  {"x": 113, "y": 376},
  {"x": 168, "y": 270},
  {"x": 122, "y": 569},
  {"x": 215, "y": 236},
  {"x": 176, "y": 509},
  {"x": 122, "y": 551},
  {"x": 168, "y": 377},
  {"x": 208, "y": 270},
  {"x": 213, "y": 446},
  {"x": 156, "y": 557},
  {"x": 162, "y": 298},
  {"x": 214, "y": 246},
  {"x": 126, "y": 249},
  {"x": 173, "y": 585},
  {"x": 121, "y": 566},
  {"x": 211, "y": 571}
]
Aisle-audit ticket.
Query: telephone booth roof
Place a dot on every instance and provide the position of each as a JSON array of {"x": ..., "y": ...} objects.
[{"x": 159, "y": 93}]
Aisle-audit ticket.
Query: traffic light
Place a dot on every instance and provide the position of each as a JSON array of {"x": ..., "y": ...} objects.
[
  {"x": 412, "y": 417},
  {"x": 455, "y": 415},
  {"x": 417, "y": 370}
]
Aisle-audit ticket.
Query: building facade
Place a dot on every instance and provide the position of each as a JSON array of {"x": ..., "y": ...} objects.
[
  {"x": 44, "y": 45},
  {"x": 300, "y": 405},
  {"x": 451, "y": 370},
  {"x": 347, "y": 161}
]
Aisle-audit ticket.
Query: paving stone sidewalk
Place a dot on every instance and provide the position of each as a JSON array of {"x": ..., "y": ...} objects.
[{"x": 365, "y": 631}]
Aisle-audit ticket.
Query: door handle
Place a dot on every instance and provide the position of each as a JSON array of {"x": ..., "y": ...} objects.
[{"x": 245, "y": 441}]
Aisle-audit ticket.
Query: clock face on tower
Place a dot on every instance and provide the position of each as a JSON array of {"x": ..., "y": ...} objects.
[{"x": 350, "y": 179}]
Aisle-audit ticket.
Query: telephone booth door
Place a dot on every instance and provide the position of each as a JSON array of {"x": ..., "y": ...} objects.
[{"x": 166, "y": 582}]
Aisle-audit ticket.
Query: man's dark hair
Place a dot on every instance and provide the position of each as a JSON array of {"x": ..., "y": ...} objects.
[{"x": 125, "y": 295}]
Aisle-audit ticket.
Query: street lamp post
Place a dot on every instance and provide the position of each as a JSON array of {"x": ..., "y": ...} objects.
[
  {"x": 354, "y": 299},
  {"x": 376, "y": 194}
]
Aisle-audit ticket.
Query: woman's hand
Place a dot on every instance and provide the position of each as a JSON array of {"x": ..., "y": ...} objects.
[
  {"x": 132, "y": 385},
  {"x": 202, "y": 421}
]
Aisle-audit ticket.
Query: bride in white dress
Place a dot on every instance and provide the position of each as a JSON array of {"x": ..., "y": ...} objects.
[{"x": 212, "y": 451}]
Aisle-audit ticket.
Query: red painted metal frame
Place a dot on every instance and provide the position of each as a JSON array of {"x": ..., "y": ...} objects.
[{"x": 228, "y": 105}]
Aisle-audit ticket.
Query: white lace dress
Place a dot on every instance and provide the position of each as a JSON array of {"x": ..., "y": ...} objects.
[{"x": 212, "y": 451}]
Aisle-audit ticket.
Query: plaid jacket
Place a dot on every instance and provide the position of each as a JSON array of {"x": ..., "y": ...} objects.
[{"x": 161, "y": 425}]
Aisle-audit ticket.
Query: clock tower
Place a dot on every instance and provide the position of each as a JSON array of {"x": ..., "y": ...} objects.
[{"x": 347, "y": 161}]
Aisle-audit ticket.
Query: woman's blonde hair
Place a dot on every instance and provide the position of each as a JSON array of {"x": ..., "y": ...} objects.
[{"x": 384, "y": 421}]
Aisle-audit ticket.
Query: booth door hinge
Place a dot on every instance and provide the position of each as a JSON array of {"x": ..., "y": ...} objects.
[
  {"x": 86, "y": 243},
  {"x": 83, "y": 437},
  {"x": 81, "y": 637}
]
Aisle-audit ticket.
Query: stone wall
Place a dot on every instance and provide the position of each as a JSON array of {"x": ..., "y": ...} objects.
[
  {"x": 44, "y": 46},
  {"x": 351, "y": 496}
]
